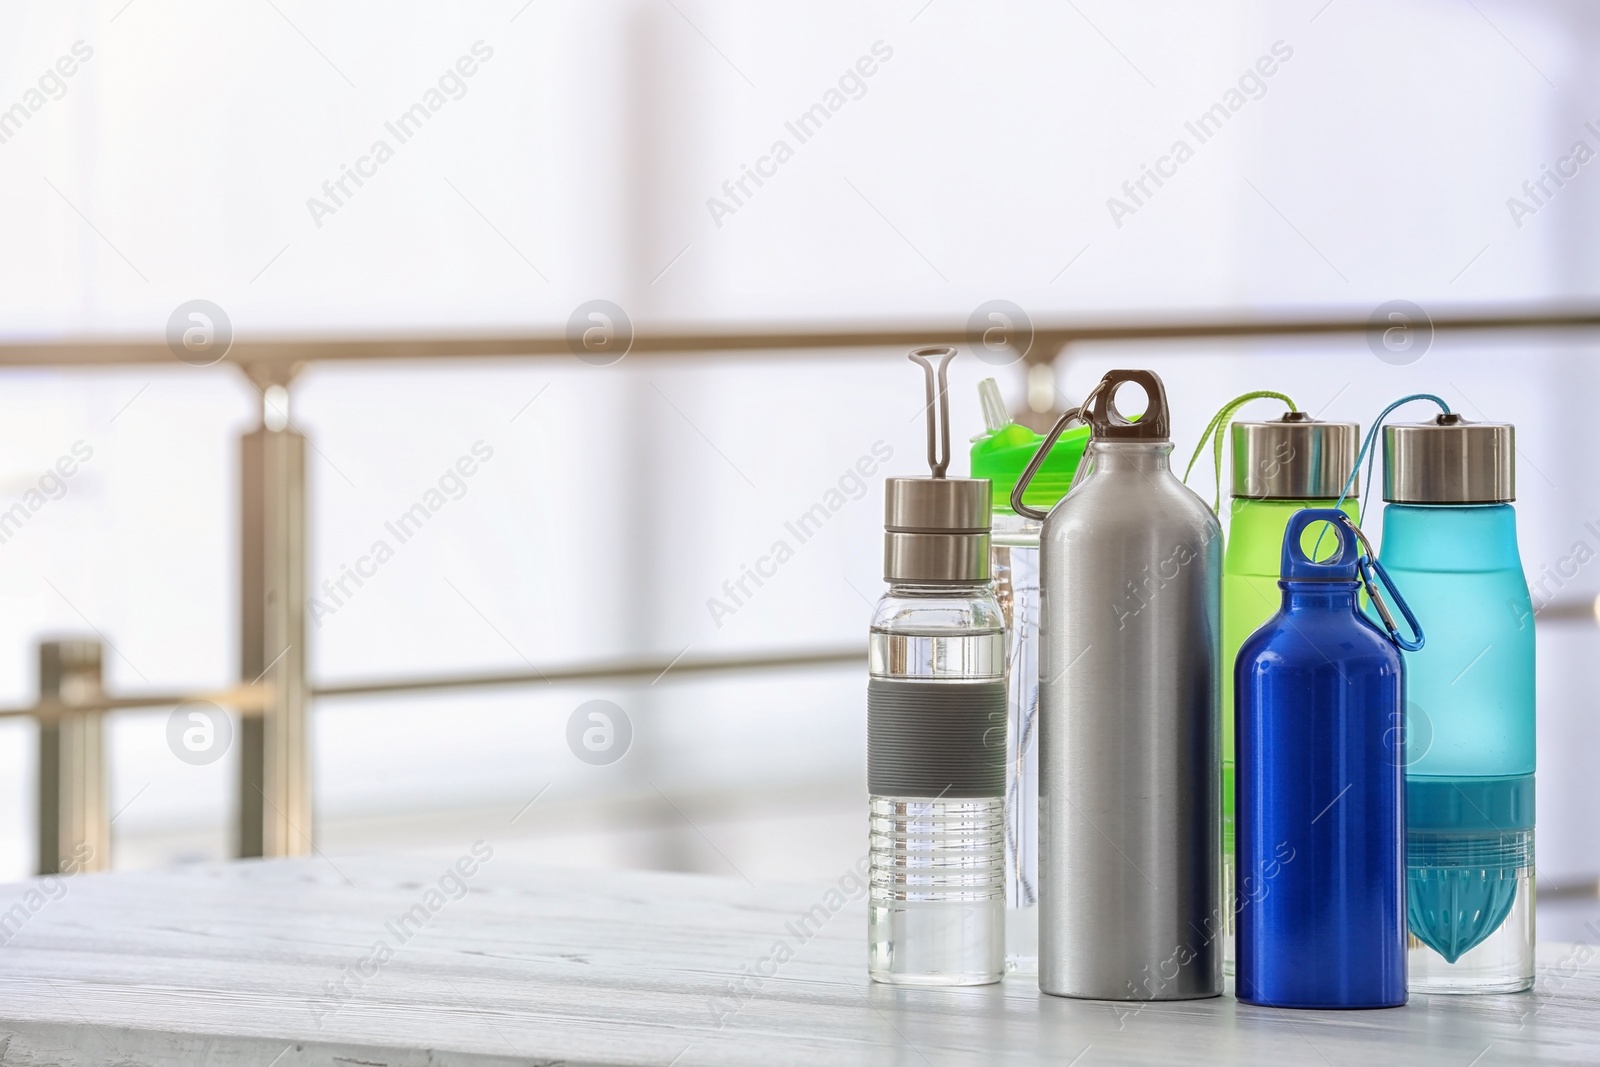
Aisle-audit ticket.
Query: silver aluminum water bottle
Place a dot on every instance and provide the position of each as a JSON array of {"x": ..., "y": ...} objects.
[{"x": 1130, "y": 756}]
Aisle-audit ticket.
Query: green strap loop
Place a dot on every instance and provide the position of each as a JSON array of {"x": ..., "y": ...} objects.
[{"x": 1217, "y": 430}]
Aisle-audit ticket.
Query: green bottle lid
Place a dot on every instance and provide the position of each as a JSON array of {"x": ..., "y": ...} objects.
[{"x": 1002, "y": 454}]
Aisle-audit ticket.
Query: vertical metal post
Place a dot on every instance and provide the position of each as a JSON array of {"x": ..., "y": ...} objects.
[
  {"x": 274, "y": 769},
  {"x": 74, "y": 805},
  {"x": 1042, "y": 399}
]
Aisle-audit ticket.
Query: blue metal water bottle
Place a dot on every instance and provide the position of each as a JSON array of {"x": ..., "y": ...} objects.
[{"x": 1320, "y": 806}]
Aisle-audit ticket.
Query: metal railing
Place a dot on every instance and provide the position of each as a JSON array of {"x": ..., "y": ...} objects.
[
  {"x": 278, "y": 359},
  {"x": 273, "y": 698}
]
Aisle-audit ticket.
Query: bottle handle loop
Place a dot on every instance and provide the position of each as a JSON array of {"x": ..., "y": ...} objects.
[{"x": 937, "y": 409}]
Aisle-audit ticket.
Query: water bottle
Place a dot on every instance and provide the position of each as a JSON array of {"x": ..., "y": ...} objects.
[
  {"x": 1450, "y": 540},
  {"x": 1000, "y": 455},
  {"x": 1321, "y": 787},
  {"x": 936, "y": 729},
  {"x": 1279, "y": 467},
  {"x": 1129, "y": 756}
]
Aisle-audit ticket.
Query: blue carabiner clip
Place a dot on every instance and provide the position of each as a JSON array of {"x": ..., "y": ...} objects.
[{"x": 1367, "y": 565}]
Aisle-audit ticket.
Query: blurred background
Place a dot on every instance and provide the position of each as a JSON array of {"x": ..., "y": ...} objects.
[{"x": 539, "y": 155}]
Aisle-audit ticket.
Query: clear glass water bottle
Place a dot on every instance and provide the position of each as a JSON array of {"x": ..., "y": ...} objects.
[
  {"x": 1001, "y": 454},
  {"x": 936, "y": 731}
]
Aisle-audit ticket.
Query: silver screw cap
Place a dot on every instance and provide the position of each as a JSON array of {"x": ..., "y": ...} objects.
[
  {"x": 936, "y": 529},
  {"x": 1293, "y": 458},
  {"x": 1450, "y": 461}
]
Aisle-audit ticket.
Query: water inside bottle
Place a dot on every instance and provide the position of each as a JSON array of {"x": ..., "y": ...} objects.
[
  {"x": 936, "y": 906},
  {"x": 966, "y": 655},
  {"x": 1016, "y": 577}
]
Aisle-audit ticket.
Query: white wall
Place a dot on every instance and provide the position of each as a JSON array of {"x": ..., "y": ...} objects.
[{"x": 976, "y": 164}]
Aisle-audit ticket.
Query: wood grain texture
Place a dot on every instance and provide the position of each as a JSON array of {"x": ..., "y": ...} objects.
[{"x": 229, "y": 964}]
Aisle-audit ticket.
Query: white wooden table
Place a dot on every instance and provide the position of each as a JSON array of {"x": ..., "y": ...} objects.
[{"x": 230, "y": 964}]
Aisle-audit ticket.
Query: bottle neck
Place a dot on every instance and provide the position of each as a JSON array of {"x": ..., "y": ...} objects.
[
  {"x": 1319, "y": 596},
  {"x": 941, "y": 590},
  {"x": 1108, "y": 457},
  {"x": 1450, "y": 537}
]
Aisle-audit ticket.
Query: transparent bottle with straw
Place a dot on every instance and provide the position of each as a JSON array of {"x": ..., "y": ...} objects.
[{"x": 1000, "y": 454}]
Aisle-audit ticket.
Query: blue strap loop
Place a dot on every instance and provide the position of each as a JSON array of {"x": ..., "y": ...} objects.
[
  {"x": 1366, "y": 452},
  {"x": 1369, "y": 455}
]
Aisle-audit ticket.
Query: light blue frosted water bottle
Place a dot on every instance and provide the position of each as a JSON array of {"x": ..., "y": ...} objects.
[{"x": 1450, "y": 541}]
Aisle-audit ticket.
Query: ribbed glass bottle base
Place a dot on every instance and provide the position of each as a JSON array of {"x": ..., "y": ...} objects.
[{"x": 936, "y": 908}]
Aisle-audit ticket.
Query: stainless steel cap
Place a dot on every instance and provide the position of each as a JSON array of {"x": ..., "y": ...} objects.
[
  {"x": 936, "y": 529},
  {"x": 1293, "y": 458},
  {"x": 1450, "y": 461},
  {"x": 936, "y": 505}
]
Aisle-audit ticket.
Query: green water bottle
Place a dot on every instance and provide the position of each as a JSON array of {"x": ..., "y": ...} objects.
[
  {"x": 1279, "y": 467},
  {"x": 1000, "y": 455}
]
